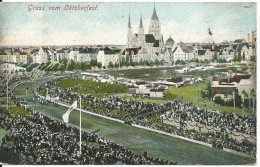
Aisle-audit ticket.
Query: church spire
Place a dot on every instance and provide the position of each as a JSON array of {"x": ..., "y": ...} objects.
[
  {"x": 129, "y": 22},
  {"x": 154, "y": 17},
  {"x": 141, "y": 22}
]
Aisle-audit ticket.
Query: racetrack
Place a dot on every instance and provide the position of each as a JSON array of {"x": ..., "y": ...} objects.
[{"x": 139, "y": 140}]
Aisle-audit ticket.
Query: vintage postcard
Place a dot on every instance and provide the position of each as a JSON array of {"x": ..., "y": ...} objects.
[{"x": 128, "y": 83}]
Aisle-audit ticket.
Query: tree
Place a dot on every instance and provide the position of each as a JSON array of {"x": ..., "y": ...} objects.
[
  {"x": 156, "y": 62},
  {"x": 99, "y": 65},
  {"x": 219, "y": 100},
  {"x": 83, "y": 66},
  {"x": 131, "y": 60},
  {"x": 239, "y": 56},
  {"x": 253, "y": 58},
  {"x": 244, "y": 56},
  {"x": 116, "y": 65},
  {"x": 123, "y": 61},
  {"x": 55, "y": 67},
  {"x": 64, "y": 65},
  {"x": 110, "y": 65},
  {"x": 178, "y": 62},
  {"x": 72, "y": 65},
  {"x": 253, "y": 93},
  {"x": 235, "y": 58},
  {"x": 93, "y": 62},
  {"x": 162, "y": 62}
]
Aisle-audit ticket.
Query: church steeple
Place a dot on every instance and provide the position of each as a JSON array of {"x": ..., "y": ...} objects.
[
  {"x": 141, "y": 22},
  {"x": 155, "y": 27},
  {"x": 154, "y": 17},
  {"x": 129, "y": 22},
  {"x": 129, "y": 33},
  {"x": 141, "y": 35}
]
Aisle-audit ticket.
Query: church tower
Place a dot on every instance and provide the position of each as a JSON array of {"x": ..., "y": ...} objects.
[
  {"x": 141, "y": 36},
  {"x": 155, "y": 27},
  {"x": 129, "y": 34}
]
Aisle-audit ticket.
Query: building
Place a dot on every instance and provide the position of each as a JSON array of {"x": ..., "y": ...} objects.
[
  {"x": 157, "y": 93},
  {"x": 203, "y": 55},
  {"x": 151, "y": 45},
  {"x": 87, "y": 54},
  {"x": 133, "y": 52},
  {"x": 3, "y": 57},
  {"x": 224, "y": 91},
  {"x": 183, "y": 52},
  {"x": 225, "y": 87},
  {"x": 106, "y": 56},
  {"x": 21, "y": 57},
  {"x": 248, "y": 52},
  {"x": 43, "y": 55},
  {"x": 73, "y": 54},
  {"x": 226, "y": 54},
  {"x": 8, "y": 66}
]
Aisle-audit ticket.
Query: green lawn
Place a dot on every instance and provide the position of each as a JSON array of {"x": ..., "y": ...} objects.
[
  {"x": 16, "y": 110},
  {"x": 189, "y": 93},
  {"x": 192, "y": 93},
  {"x": 4, "y": 100},
  {"x": 97, "y": 89}
]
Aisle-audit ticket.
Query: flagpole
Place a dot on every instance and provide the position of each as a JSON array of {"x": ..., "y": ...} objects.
[
  {"x": 234, "y": 100},
  {"x": 254, "y": 105},
  {"x": 7, "y": 94},
  {"x": 80, "y": 126}
]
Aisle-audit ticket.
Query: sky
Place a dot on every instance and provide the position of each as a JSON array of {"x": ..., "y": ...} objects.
[{"x": 187, "y": 22}]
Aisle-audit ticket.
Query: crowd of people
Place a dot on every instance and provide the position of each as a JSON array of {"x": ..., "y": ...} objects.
[
  {"x": 39, "y": 139},
  {"x": 142, "y": 113}
]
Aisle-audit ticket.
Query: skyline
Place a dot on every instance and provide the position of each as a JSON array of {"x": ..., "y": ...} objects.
[{"x": 186, "y": 22}]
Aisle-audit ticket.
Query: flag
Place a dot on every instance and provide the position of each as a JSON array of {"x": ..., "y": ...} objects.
[
  {"x": 9, "y": 70},
  {"x": 65, "y": 117}
]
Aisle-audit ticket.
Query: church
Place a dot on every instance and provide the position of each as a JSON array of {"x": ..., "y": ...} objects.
[
  {"x": 145, "y": 47},
  {"x": 151, "y": 47}
]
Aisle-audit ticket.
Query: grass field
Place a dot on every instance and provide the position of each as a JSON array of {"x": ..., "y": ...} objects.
[
  {"x": 16, "y": 110},
  {"x": 139, "y": 140},
  {"x": 97, "y": 89},
  {"x": 4, "y": 100},
  {"x": 189, "y": 93},
  {"x": 192, "y": 93}
]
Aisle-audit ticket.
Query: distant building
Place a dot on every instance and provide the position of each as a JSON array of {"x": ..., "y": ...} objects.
[
  {"x": 107, "y": 55},
  {"x": 157, "y": 93},
  {"x": 183, "y": 52},
  {"x": 249, "y": 51},
  {"x": 226, "y": 54},
  {"x": 43, "y": 55},
  {"x": 151, "y": 45},
  {"x": 225, "y": 87},
  {"x": 8, "y": 66},
  {"x": 203, "y": 55},
  {"x": 223, "y": 91}
]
